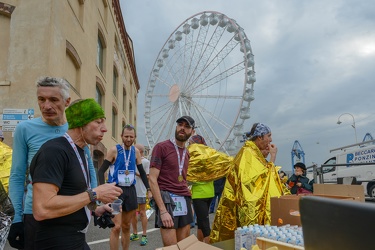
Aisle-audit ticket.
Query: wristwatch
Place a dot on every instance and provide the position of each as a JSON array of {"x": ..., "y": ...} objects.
[{"x": 92, "y": 194}]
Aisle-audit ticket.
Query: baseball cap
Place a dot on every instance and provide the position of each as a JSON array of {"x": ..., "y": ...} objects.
[{"x": 187, "y": 119}]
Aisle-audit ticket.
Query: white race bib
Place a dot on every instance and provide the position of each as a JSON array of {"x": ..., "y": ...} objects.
[
  {"x": 181, "y": 207},
  {"x": 125, "y": 179}
]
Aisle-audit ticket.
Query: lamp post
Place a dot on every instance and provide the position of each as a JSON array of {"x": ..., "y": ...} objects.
[{"x": 353, "y": 125}]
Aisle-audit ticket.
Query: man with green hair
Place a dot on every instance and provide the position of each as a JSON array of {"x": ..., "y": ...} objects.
[{"x": 63, "y": 200}]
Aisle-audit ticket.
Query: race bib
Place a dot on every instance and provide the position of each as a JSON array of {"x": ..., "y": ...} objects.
[
  {"x": 125, "y": 178},
  {"x": 181, "y": 207}
]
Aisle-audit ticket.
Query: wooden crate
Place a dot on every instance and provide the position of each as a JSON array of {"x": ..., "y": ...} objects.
[{"x": 264, "y": 243}]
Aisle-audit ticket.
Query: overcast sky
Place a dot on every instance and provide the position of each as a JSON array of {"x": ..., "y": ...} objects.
[{"x": 314, "y": 60}]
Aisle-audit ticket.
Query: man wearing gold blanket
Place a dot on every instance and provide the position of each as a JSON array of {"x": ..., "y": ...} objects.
[{"x": 251, "y": 182}]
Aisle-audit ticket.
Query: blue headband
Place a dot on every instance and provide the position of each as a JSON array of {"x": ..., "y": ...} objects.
[{"x": 260, "y": 130}]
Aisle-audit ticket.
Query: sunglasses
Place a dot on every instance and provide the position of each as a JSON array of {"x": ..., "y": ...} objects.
[{"x": 128, "y": 126}]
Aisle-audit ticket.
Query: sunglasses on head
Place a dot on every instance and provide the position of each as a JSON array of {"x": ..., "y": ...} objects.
[{"x": 128, "y": 126}]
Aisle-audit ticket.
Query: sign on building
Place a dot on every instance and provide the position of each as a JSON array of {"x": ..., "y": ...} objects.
[{"x": 11, "y": 117}]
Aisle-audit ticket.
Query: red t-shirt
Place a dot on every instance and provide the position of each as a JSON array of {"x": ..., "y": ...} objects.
[{"x": 164, "y": 157}]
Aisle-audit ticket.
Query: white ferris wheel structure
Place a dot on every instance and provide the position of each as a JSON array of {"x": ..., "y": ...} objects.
[{"x": 205, "y": 70}]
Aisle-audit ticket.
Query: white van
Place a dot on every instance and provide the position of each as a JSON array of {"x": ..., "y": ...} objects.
[{"x": 340, "y": 166}]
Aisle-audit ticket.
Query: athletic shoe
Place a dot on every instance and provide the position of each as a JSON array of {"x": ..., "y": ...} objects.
[
  {"x": 144, "y": 240},
  {"x": 134, "y": 237}
]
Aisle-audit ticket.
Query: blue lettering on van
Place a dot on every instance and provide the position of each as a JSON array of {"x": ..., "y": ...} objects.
[
  {"x": 365, "y": 151},
  {"x": 349, "y": 158}
]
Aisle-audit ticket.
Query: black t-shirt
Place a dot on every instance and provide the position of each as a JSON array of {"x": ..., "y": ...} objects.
[{"x": 56, "y": 163}]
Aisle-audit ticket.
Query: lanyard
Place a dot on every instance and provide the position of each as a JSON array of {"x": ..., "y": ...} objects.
[
  {"x": 79, "y": 159},
  {"x": 180, "y": 163},
  {"x": 87, "y": 211},
  {"x": 127, "y": 160}
]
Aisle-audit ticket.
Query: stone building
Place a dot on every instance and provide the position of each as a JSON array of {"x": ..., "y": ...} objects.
[{"x": 83, "y": 41}]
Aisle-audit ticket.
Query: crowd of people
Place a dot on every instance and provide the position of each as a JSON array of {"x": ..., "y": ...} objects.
[{"x": 52, "y": 204}]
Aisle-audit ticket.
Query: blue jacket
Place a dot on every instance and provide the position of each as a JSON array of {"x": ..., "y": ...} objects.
[{"x": 294, "y": 179}]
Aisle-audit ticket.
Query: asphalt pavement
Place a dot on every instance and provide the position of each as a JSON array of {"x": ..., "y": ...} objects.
[{"x": 98, "y": 238}]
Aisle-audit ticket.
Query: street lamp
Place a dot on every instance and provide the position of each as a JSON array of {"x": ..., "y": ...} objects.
[{"x": 353, "y": 125}]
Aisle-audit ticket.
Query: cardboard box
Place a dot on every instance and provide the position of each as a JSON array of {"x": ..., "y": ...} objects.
[
  {"x": 285, "y": 209},
  {"x": 355, "y": 191},
  {"x": 190, "y": 243}
]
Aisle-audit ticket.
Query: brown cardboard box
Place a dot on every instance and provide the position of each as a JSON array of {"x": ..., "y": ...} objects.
[
  {"x": 285, "y": 209},
  {"x": 355, "y": 191},
  {"x": 190, "y": 243}
]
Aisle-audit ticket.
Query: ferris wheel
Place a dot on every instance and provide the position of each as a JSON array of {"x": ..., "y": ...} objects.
[{"x": 205, "y": 69}]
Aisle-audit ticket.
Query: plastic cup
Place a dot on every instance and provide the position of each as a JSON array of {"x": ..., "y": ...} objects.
[{"x": 116, "y": 206}]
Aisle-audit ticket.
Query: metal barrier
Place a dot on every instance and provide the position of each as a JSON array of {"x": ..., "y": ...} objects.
[{"x": 318, "y": 173}]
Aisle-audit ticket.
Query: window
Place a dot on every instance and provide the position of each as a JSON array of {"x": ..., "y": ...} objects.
[
  {"x": 78, "y": 9},
  {"x": 98, "y": 96},
  {"x": 101, "y": 51},
  {"x": 130, "y": 112},
  {"x": 115, "y": 80},
  {"x": 100, "y": 92},
  {"x": 328, "y": 168},
  {"x": 123, "y": 125},
  {"x": 100, "y": 55},
  {"x": 97, "y": 158},
  {"x": 114, "y": 122},
  {"x": 6, "y": 11},
  {"x": 124, "y": 100},
  {"x": 131, "y": 88},
  {"x": 72, "y": 67}
]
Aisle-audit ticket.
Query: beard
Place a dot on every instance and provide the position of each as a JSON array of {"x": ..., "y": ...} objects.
[
  {"x": 181, "y": 138},
  {"x": 128, "y": 144}
]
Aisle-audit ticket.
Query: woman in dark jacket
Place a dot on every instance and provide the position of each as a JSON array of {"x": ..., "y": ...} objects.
[{"x": 298, "y": 182}]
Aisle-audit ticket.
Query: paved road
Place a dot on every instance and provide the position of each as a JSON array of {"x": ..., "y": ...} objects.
[{"x": 98, "y": 238}]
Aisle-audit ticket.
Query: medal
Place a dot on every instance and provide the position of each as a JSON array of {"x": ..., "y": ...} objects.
[
  {"x": 126, "y": 159},
  {"x": 180, "y": 161}
]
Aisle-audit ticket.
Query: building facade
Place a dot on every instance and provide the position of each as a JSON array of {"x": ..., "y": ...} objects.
[{"x": 83, "y": 41}]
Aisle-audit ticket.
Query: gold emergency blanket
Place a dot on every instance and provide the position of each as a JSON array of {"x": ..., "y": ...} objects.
[
  {"x": 246, "y": 197},
  {"x": 5, "y": 164},
  {"x": 207, "y": 164}
]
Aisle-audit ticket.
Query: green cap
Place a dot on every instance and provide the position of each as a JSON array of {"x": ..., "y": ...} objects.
[{"x": 83, "y": 112}]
